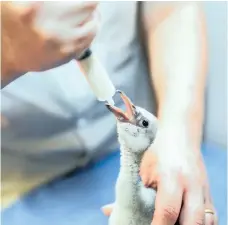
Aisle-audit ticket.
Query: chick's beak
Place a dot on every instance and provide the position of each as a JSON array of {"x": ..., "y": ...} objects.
[{"x": 119, "y": 113}]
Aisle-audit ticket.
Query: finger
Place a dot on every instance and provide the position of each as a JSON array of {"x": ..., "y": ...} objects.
[
  {"x": 84, "y": 38},
  {"x": 210, "y": 219},
  {"x": 87, "y": 19},
  {"x": 84, "y": 43},
  {"x": 74, "y": 8},
  {"x": 168, "y": 203},
  {"x": 86, "y": 5},
  {"x": 89, "y": 28},
  {"x": 150, "y": 178},
  {"x": 27, "y": 15},
  {"x": 79, "y": 12},
  {"x": 78, "y": 48},
  {"x": 107, "y": 209},
  {"x": 192, "y": 212},
  {"x": 147, "y": 168}
]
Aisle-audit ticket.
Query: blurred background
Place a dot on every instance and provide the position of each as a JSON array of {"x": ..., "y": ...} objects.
[{"x": 216, "y": 102}]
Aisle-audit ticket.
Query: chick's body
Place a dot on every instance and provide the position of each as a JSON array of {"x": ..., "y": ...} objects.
[{"x": 134, "y": 204}]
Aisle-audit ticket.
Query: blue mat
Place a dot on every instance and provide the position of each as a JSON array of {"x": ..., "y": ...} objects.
[{"x": 76, "y": 200}]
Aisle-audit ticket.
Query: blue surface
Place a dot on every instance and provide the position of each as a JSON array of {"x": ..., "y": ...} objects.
[{"x": 76, "y": 200}]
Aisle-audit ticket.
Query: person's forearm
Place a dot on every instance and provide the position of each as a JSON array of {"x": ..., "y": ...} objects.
[
  {"x": 17, "y": 35},
  {"x": 177, "y": 50},
  {"x": 9, "y": 23}
]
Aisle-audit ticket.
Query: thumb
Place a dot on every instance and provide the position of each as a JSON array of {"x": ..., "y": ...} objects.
[{"x": 107, "y": 209}]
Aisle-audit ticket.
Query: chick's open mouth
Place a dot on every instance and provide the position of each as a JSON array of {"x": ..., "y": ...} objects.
[{"x": 119, "y": 113}]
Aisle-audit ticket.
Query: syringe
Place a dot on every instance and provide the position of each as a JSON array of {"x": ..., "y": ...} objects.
[{"x": 97, "y": 77}]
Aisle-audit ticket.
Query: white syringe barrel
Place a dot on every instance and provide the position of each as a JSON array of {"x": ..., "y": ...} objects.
[{"x": 97, "y": 76}]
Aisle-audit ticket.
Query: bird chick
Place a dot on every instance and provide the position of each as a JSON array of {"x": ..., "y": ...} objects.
[{"x": 136, "y": 128}]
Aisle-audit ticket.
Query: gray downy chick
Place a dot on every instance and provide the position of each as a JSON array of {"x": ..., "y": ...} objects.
[{"x": 136, "y": 128}]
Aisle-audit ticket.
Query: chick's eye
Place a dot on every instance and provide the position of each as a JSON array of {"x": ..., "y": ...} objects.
[{"x": 145, "y": 123}]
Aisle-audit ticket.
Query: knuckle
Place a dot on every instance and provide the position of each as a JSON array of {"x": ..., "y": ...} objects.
[
  {"x": 200, "y": 216},
  {"x": 200, "y": 221},
  {"x": 171, "y": 213}
]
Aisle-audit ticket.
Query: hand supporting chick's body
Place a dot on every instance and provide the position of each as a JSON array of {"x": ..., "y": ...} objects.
[{"x": 135, "y": 201}]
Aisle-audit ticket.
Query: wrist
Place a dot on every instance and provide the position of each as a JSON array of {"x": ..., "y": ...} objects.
[
  {"x": 170, "y": 117},
  {"x": 184, "y": 125}
]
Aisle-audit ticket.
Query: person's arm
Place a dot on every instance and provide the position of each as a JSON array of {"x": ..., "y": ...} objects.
[
  {"x": 173, "y": 165},
  {"x": 177, "y": 50},
  {"x": 38, "y": 36},
  {"x": 11, "y": 29}
]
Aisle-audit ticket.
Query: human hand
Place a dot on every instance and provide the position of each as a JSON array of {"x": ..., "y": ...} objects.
[
  {"x": 178, "y": 173},
  {"x": 42, "y": 35},
  {"x": 167, "y": 214}
]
